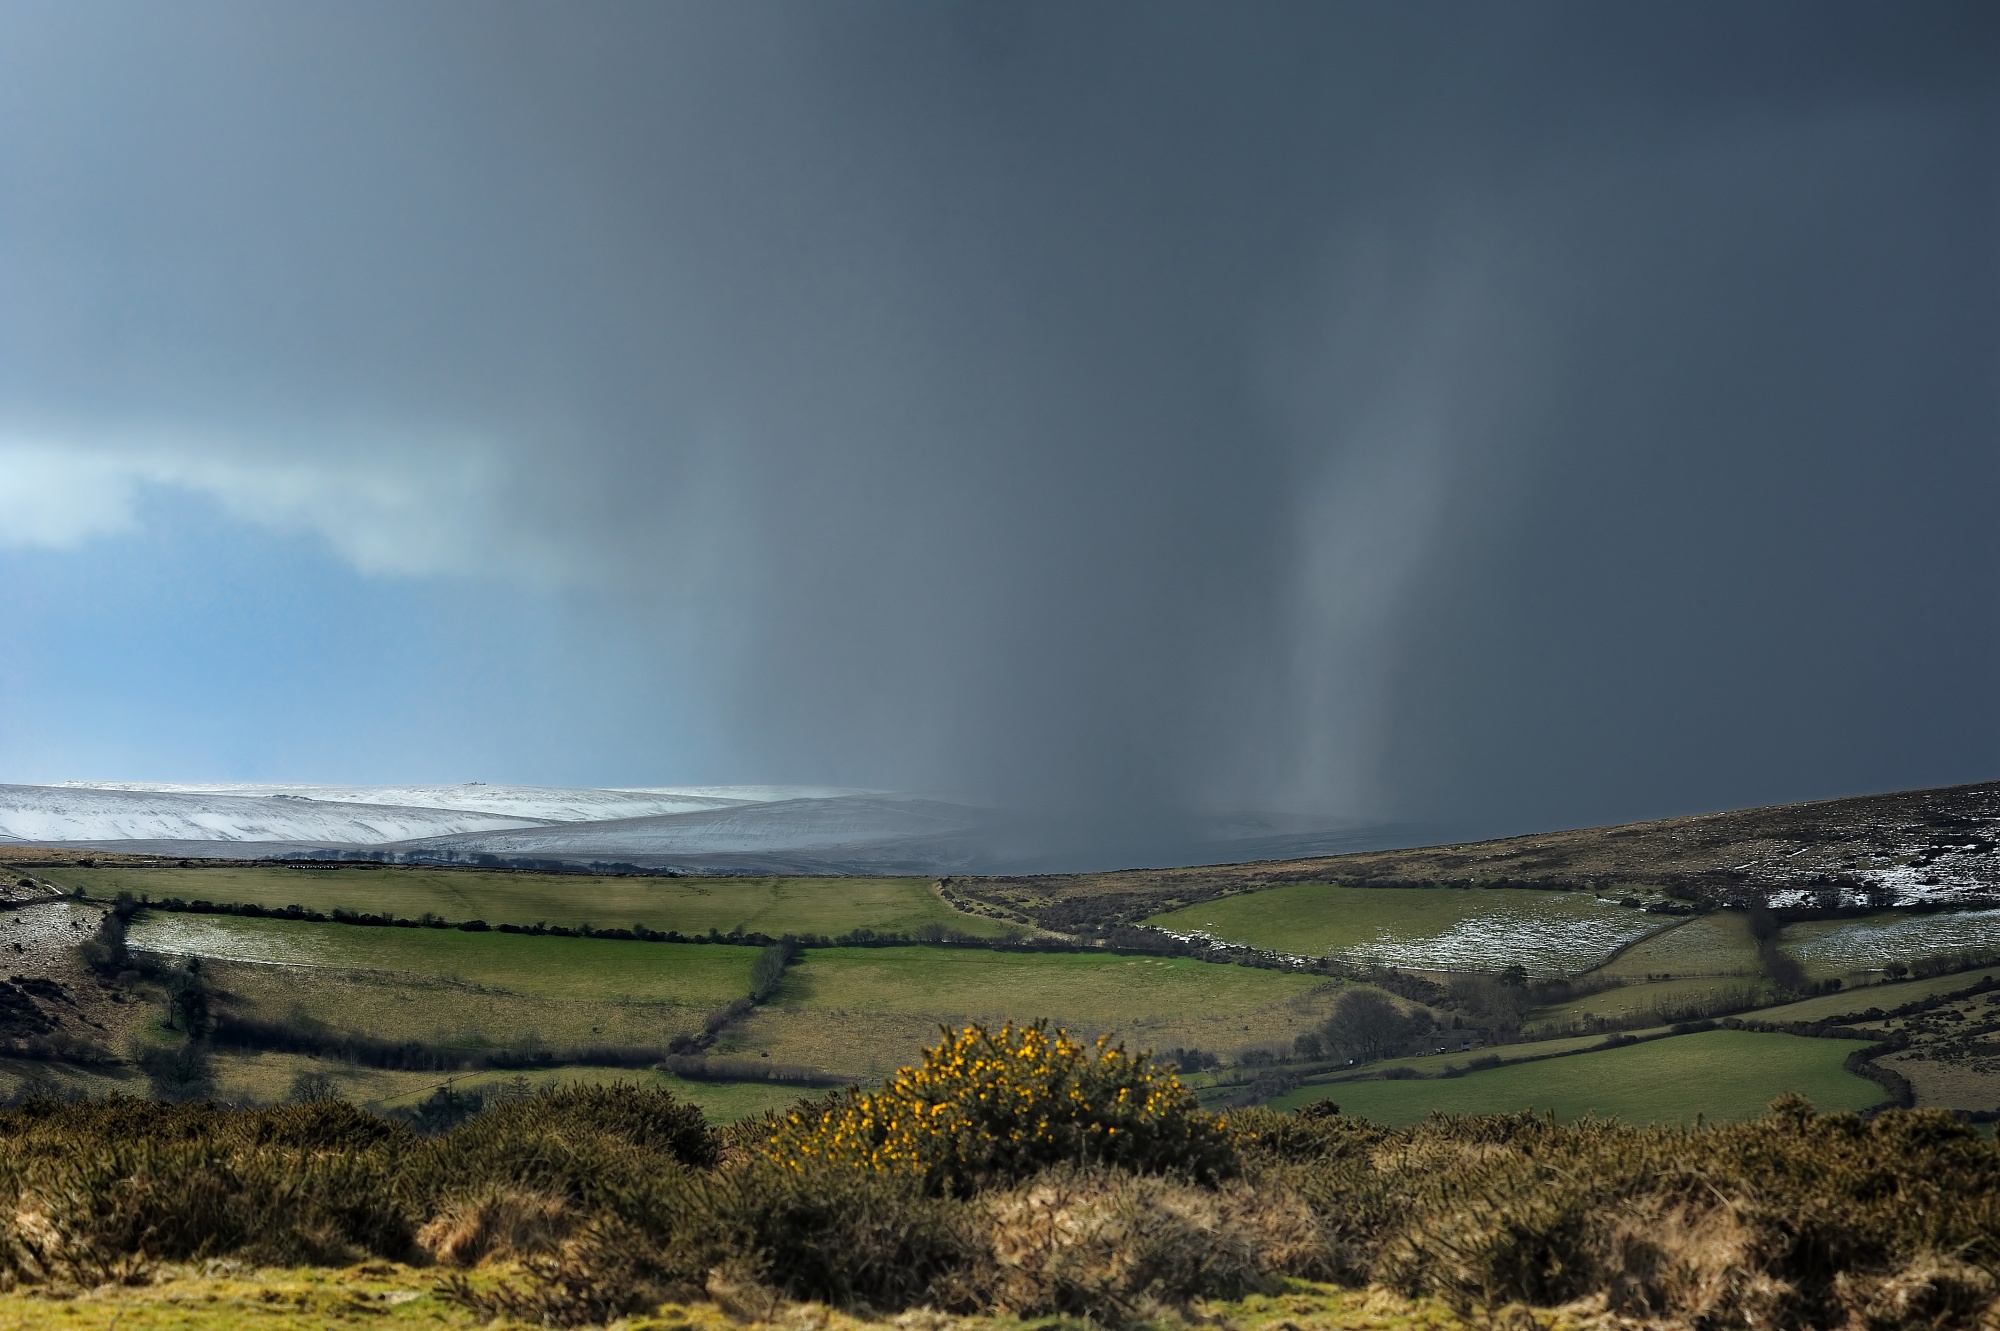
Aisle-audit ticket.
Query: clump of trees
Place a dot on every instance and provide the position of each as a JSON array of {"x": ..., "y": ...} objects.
[{"x": 1365, "y": 1025}]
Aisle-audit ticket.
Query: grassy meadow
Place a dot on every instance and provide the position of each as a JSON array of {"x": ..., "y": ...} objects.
[
  {"x": 599, "y": 969},
  {"x": 1082, "y": 988},
  {"x": 1668, "y": 1000},
  {"x": 402, "y": 1006},
  {"x": 263, "y": 1078},
  {"x": 861, "y": 1012},
  {"x": 864, "y": 1011},
  {"x": 774, "y": 906},
  {"x": 1422, "y": 928},
  {"x": 1850, "y": 1002},
  {"x": 1722, "y": 1075},
  {"x": 857, "y": 1012}
]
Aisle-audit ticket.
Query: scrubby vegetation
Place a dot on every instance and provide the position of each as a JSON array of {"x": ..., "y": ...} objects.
[{"x": 1021, "y": 1172}]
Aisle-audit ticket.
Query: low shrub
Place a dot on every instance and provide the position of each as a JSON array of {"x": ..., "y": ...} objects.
[
  {"x": 994, "y": 1107},
  {"x": 500, "y": 1222},
  {"x": 1786, "y": 1221},
  {"x": 1115, "y": 1247},
  {"x": 92, "y": 1192}
]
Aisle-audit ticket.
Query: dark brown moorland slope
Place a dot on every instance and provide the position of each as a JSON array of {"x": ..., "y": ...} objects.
[{"x": 1908, "y": 848}]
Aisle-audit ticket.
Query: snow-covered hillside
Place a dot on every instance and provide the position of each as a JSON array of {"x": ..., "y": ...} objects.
[
  {"x": 534, "y": 804},
  {"x": 100, "y": 811},
  {"x": 722, "y": 829},
  {"x": 70, "y": 813},
  {"x": 877, "y": 828}
]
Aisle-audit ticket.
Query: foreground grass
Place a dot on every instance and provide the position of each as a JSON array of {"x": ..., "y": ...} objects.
[
  {"x": 1423, "y": 927},
  {"x": 392, "y": 1295},
  {"x": 775, "y": 906},
  {"x": 1722, "y": 1076},
  {"x": 216, "y": 1297}
]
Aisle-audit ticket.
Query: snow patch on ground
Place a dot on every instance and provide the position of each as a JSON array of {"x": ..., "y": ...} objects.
[
  {"x": 1500, "y": 938},
  {"x": 207, "y": 936},
  {"x": 1864, "y": 944}
]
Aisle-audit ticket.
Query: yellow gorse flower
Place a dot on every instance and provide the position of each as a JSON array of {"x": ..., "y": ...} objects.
[{"x": 986, "y": 1105}]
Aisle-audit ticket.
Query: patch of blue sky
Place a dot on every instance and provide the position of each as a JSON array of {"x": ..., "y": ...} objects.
[{"x": 195, "y": 646}]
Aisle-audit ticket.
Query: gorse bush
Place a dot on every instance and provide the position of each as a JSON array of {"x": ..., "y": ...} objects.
[{"x": 990, "y": 1107}]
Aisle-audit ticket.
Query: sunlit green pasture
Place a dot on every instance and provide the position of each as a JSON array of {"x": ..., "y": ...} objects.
[
  {"x": 1720, "y": 1075},
  {"x": 866, "y": 1011},
  {"x": 774, "y": 906},
  {"x": 1077, "y": 987},
  {"x": 1425, "y": 928}
]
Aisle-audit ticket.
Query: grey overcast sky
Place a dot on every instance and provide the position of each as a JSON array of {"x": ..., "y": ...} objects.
[{"x": 1487, "y": 416}]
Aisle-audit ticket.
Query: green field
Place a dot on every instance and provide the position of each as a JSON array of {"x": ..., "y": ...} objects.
[
  {"x": 864, "y": 1012},
  {"x": 1074, "y": 987},
  {"x": 860, "y": 1012},
  {"x": 265, "y": 1078},
  {"x": 401, "y": 1006},
  {"x": 1715, "y": 944},
  {"x": 696, "y": 974},
  {"x": 1720, "y": 1075},
  {"x": 1661, "y": 1001},
  {"x": 1850, "y": 1002},
  {"x": 1425, "y": 928},
  {"x": 774, "y": 906}
]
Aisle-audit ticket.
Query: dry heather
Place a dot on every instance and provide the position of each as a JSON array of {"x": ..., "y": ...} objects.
[
  {"x": 1114, "y": 1247},
  {"x": 497, "y": 1223},
  {"x": 588, "y": 1205}
]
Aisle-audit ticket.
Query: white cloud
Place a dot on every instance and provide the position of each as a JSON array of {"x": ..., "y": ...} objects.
[
  {"x": 408, "y": 508},
  {"x": 57, "y": 499}
]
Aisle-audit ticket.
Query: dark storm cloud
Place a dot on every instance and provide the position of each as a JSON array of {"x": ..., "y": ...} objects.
[{"x": 1479, "y": 415}]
